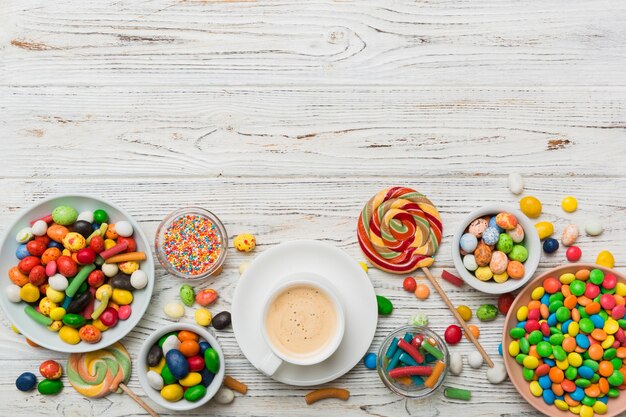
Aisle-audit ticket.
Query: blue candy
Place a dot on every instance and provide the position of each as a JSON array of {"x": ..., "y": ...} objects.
[
  {"x": 370, "y": 360},
  {"x": 204, "y": 345},
  {"x": 405, "y": 358},
  {"x": 585, "y": 372},
  {"x": 177, "y": 364},
  {"x": 207, "y": 377},
  {"x": 490, "y": 236},
  {"x": 393, "y": 347},
  {"x": 54, "y": 244},
  {"x": 549, "y": 362},
  {"x": 548, "y": 396},
  {"x": 550, "y": 245},
  {"x": 578, "y": 394},
  {"x": 545, "y": 299},
  {"x": 468, "y": 242},
  {"x": 552, "y": 320},
  {"x": 26, "y": 381},
  {"x": 521, "y": 324},
  {"x": 603, "y": 399},
  {"x": 597, "y": 321},
  {"x": 565, "y": 325},
  {"x": 544, "y": 382},
  {"x": 492, "y": 223},
  {"x": 500, "y": 349},
  {"x": 21, "y": 252},
  {"x": 582, "y": 341}
]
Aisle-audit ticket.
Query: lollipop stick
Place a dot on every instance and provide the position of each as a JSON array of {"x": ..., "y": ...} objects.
[
  {"x": 445, "y": 298},
  {"x": 138, "y": 400}
]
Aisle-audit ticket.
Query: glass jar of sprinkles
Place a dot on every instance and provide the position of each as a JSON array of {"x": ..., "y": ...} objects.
[{"x": 191, "y": 243}]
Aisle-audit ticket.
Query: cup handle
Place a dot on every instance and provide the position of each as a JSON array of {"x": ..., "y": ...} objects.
[{"x": 270, "y": 363}]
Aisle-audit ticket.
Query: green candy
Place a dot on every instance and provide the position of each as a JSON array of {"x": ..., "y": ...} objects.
[
  {"x": 384, "y": 305},
  {"x": 74, "y": 320},
  {"x": 544, "y": 349},
  {"x": 616, "y": 362},
  {"x": 613, "y": 393},
  {"x": 487, "y": 312},
  {"x": 528, "y": 374},
  {"x": 556, "y": 339},
  {"x": 608, "y": 290},
  {"x": 458, "y": 393},
  {"x": 603, "y": 314},
  {"x": 616, "y": 379},
  {"x": 563, "y": 314},
  {"x": 590, "y": 363},
  {"x": 165, "y": 336},
  {"x": 100, "y": 216},
  {"x": 586, "y": 325},
  {"x": 595, "y": 378},
  {"x": 518, "y": 253},
  {"x": 577, "y": 287},
  {"x": 583, "y": 313},
  {"x": 582, "y": 382},
  {"x": 558, "y": 296},
  {"x": 50, "y": 386},
  {"x": 187, "y": 295},
  {"x": 520, "y": 358},
  {"x": 524, "y": 345},
  {"x": 559, "y": 353},
  {"x": 432, "y": 350},
  {"x": 37, "y": 316},
  {"x": 610, "y": 353},
  {"x": 554, "y": 306},
  {"x": 195, "y": 393},
  {"x": 596, "y": 276},
  {"x": 167, "y": 376},
  {"x": 571, "y": 372},
  {"x": 517, "y": 333},
  {"x": 64, "y": 215},
  {"x": 555, "y": 330},
  {"x": 535, "y": 337},
  {"x": 505, "y": 243},
  {"x": 622, "y": 323},
  {"x": 588, "y": 401},
  {"x": 212, "y": 360}
]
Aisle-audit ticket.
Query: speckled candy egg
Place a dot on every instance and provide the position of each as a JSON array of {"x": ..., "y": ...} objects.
[
  {"x": 516, "y": 234},
  {"x": 491, "y": 235},
  {"x": 492, "y": 223},
  {"x": 468, "y": 242},
  {"x": 505, "y": 243},
  {"x": 519, "y": 253},
  {"x": 482, "y": 254},
  {"x": 64, "y": 215},
  {"x": 245, "y": 242},
  {"x": 469, "y": 261},
  {"x": 74, "y": 241},
  {"x": 507, "y": 221},
  {"x": 483, "y": 273},
  {"x": 477, "y": 227},
  {"x": 499, "y": 262},
  {"x": 515, "y": 270},
  {"x": 570, "y": 234}
]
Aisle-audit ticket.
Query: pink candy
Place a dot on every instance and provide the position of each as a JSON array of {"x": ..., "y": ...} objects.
[
  {"x": 617, "y": 313},
  {"x": 532, "y": 325},
  {"x": 592, "y": 291},
  {"x": 610, "y": 281},
  {"x": 51, "y": 268},
  {"x": 124, "y": 312},
  {"x": 607, "y": 301}
]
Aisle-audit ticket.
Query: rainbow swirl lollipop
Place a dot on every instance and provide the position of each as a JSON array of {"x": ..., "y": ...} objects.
[
  {"x": 399, "y": 230},
  {"x": 99, "y": 373}
]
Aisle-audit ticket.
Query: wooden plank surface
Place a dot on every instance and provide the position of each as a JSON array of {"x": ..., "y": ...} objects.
[{"x": 284, "y": 118}]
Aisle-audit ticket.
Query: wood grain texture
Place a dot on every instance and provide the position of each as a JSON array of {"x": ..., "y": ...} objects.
[{"x": 284, "y": 118}]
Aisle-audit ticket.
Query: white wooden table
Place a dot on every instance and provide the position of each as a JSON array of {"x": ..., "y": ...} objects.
[{"x": 285, "y": 118}]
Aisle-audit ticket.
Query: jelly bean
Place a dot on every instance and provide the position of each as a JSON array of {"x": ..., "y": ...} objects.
[
  {"x": 79, "y": 303},
  {"x": 187, "y": 295},
  {"x": 26, "y": 381},
  {"x": 174, "y": 310},
  {"x": 544, "y": 229},
  {"x": 530, "y": 206},
  {"x": 50, "y": 369},
  {"x": 207, "y": 377},
  {"x": 109, "y": 317},
  {"x": 196, "y": 363},
  {"x": 50, "y": 387},
  {"x": 224, "y": 396},
  {"x": 453, "y": 334},
  {"x": 177, "y": 364},
  {"x": 172, "y": 342},
  {"x": 221, "y": 320},
  {"x": 409, "y": 284},
  {"x": 593, "y": 227},
  {"x": 122, "y": 297},
  {"x": 111, "y": 270},
  {"x": 469, "y": 262},
  {"x": 550, "y": 245},
  {"x": 73, "y": 320},
  {"x": 573, "y": 253},
  {"x": 212, "y": 360},
  {"x": 606, "y": 259},
  {"x": 167, "y": 376},
  {"x": 195, "y": 393},
  {"x": 154, "y": 380},
  {"x": 192, "y": 378},
  {"x": 206, "y": 297},
  {"x": 124, "y": 312},
  {"x": 189, "y": 348},
  {"x": 69, "y": 335},
  {"x": 155, "y": 354},
  {"x": 465, "y": 312},
  {"x": 570, "y": 234},
  {"x": 384, "y": 305},
  {"x": 172, "y": 392},
  {"x": 203, "y": 317}
]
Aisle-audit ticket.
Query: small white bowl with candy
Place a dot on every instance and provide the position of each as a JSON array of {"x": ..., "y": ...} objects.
[{"x": 496, "y": 249}]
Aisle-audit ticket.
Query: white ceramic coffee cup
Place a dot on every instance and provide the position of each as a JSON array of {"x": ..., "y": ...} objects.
[{"x": 274, "y": 357}]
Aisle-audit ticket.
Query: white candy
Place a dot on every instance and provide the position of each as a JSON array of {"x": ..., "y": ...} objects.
[
  {"x": 570, "y": 234},
  {"x": 516, "y": 183},
  {"x": 456, "y": 363},
  {"x": 243, "y": 267},
  {"x": 123, "y": 228},
  {"x": 224, "y": 396},
  {"x": 419, "y": 319},
  {"x": 497, "y": 374},
  {"x": 475, "y": 359},
  {"x": 39, "y": 228},
  {"x": 593, "y": 227},
  {"x": 172, "y": 342},
  {"x": 58, "y": 282},
  {"x": 86, "y": 216},
  {"x": 110, "y": 270},
  {"x": 13, "y": 293},
  {"x": 469, "y": 262},
  {"x": 174, "y": 310},
  {"x": 154, "y": 380},
  {"x": 139, "y": 279},
  {"x": 24, "y": 235}
]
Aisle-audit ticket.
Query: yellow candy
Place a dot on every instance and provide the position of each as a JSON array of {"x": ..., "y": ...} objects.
[
  {"x": 500, "y": 278},
  {"x": 586, "y": 411},
  {"x": 537, "y": 293},
  {"x": 74, "y": 241},
  {"x": 54, "y": 295},
  {"x": 608, "y": 342},
  {"x": 620, "y": 289},
  {"x": 109, "y": 243},
  {"x": 611, "y": 326},
  {"x": 530, "y": 362},
  {"x": 465, "y": 312},
  {"x": 29, "y": 293},
  {"x": 522, "y": 313},
  {"x": 575, "y": 359},
  {"x": 567, "y": 279},
  {"x": 575, "y": 409},
  {"x": 57, "y": 313},
  {"x": 514, "y": 348},
  {"x": 483, "y": 273},
  {"x": 245, "y": 242},
  {"x": 99, "y": 325},
  {"x": 192, "y": 378},
  {"x": 606, "y": 259},
  {"x": 530, "y": 206},
  {"x": 561, "y": 405},
  {"x": 564, "y": 364},
  {"x": 159, "y": 366},
  {"x": 46, "y": 306},
  {"x": 69, "y": 335},
  {"x": 573, "y": 329},
  {"x": 364, "y": 266},
  {"x": 128, "y": 267},
  {"x": 172, "y": 392},
  {"x": 544, "y": 229},
  {"x": 15, "y": 329},
  {"x": 55, "y": 326},
  {"x": 599, "y": 407},
  {"x": 203, "y": 317},
  {"x": 122, "y": 297},
  {"x": 66, "y": 252},
  {"x": 569, "y": 204},
  {"x": 535, "y": 389}
]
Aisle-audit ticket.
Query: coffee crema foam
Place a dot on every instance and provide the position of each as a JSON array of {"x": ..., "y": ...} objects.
[{"x": 301, "y": 321}]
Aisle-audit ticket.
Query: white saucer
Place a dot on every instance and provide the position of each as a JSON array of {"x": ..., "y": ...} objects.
[{"x": 355, "y": 292}]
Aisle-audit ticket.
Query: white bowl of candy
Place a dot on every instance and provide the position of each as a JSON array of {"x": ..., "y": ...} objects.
[
  {"x": 496, "y": 249},
  {"x": 80, "y": 273}
]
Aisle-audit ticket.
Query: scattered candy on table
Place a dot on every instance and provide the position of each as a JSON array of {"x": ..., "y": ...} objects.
[
  {"x": 569, "y": 204},
  {"x": 370, "y": 360},
  {"x": 453, "y": 334},
  {"x": 457, "y": 394},
  {"x": 570, "y": 341},
  {"x": 64, "y": 265},
  {"x": 324, "y": 393},
  {"x": 451, "y": 278},
  {"x": 385, "y": 307},
  {"x": 224, "y": 395},
  {"x": 515, "y": 183},
  {"x": 187, "y": 295},
  {"x": 206, "y": 297},
  {"x": 530, "y": 206},
  {"x": 235, "y": 385},
  {"x": 570, "y": 235},
  {"x": 544, "y": 229},
  {"x": 174, "y": 310},
  {"x": 487, "y": 312},
  {"x": 504, "y": 302},
  {"x": 221, "y": 320},
  {"x": 573, "y": 253},
  {"x": 245, "y": 242},
  {"x": 475, "y": 359},
  {"x": 593, "y": 227},
  {"x": 422, "y": 291},
  {"x": 26, "y": 382},
  {"x": 550, "y": 245},
  {"x": 606, "y": 259},
  {"x": 465, "y": 312},
  {"x": 456, "y": 363},
  {"x": 497, "y": 374},
  {"x": 420, "y": 319},
  {"x": 409, "y": 284}
]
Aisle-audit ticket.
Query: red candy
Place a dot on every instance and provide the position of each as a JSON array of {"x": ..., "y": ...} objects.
[
  {"x": 37, "y": 275},
  {"x": 86, "y": 256},
  {"x": 409, "y": 284},
  {"x": 592, "y": 290},
  {"x": 206, "y": 297},
  {"x": 96, "y": 278},
  {"x": 124, "y": 312},
  {"x": 66, "y": 266},
  {"x": 453, "y": 334},
  {"x": 132, "y": 245},
  {"x": 27, "y": 264},
  {"x": 50, "y": 369},
  {"x": 551, "y": 285},
  {"x": 36, "y": 248},
  {"x": 504, "y": 302},
  {"x": 417, "y": 341},
  {"x": 109, "y": 317},
  {"x": 534, "y": 314},
  {"x": 573, "y": 253},
  {"x": 607, "y": 301},
  {"x": 196, "y": 363},
  {"x": 617, "y": 313},
  {"x": 532, "y": 325},
  {"x": 610, "y": 281},
  {"x": 97, "y": 244},
  {"x": 452, "y": 279}
]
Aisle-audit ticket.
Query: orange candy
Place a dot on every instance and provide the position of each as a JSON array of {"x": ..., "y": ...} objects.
[
  {"x": 569, "y": 344},
  {"x": 584, "y": 301},
  {"x": 593, "y": 391},
  {"x": 110, "y": 232},
  {"x": 568, "y": 386},
  {"x": 595, "y": 352},
  {"x": 606, "y": 368},
  {"x": 187, "y": 335},
  {"x": 576, "y": 315},
  {"x": 598, "y": 334},
  {"x": 593, "y": 308},
  {"x": 16, "y": 277},
  {"x": 570, "y": 302},
  {"x": 475, "y": 330},
  {"x": 57, "y": 232},
  {"x": 534, "y": 305},
  {"x": 556, "y": 375},
  {"x": 189, "y": 348},
  {"x": 603, "y": 384},
  {"x": 50, "y": 254},
  {"x": 582, "y": 274},
  {"x": 422, "y": 291},
  {"x": 557, "y": 389},
  {"x": 566, "y": 291},
  {"x": 570, "y": 401},
  {"x": 621, "y": 352},
  {"x": 545, "y": 311}
]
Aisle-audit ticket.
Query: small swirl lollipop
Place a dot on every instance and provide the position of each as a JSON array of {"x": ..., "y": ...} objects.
[
  {"x": 399, "y": 230},
  {"x": 97, "y": 374}
]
